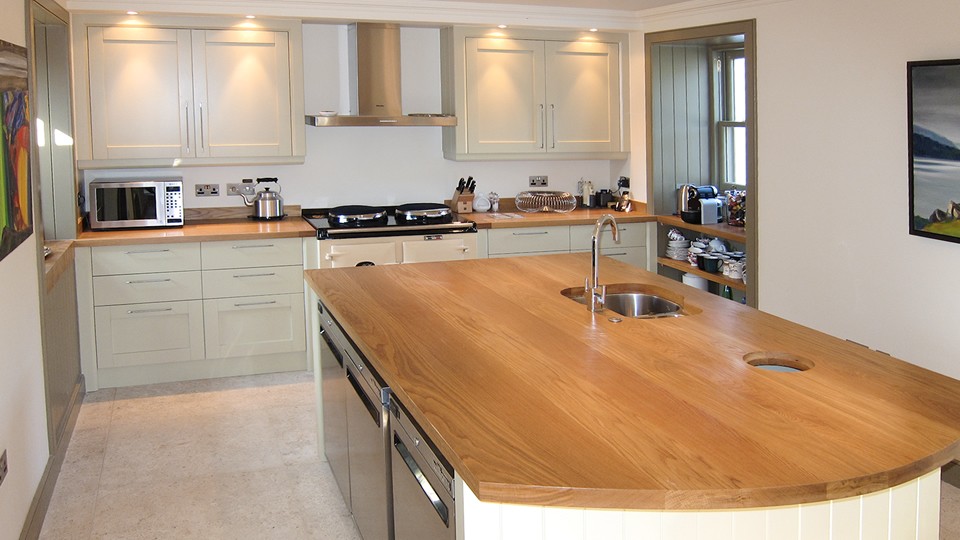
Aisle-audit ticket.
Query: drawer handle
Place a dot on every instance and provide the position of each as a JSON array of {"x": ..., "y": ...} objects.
[
  {"x": 530, "y": 233},
  {"x": 265, "y": 274},
  {"x": 135, "y": 281},
  {"x": 255, "y": 246},
  {"x": 158, "y": 310},
  {"x": 612, "y": 254},
  {"x": 464, "y": 249},
  {"x": 146, "y": 251},
  {"x": 387, "y": 121},
  {"x": 330, "y": 256},
  {"x": 247, "y": 304}
]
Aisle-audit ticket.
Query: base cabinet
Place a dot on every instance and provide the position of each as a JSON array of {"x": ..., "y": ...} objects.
[
  {"x": 192, "y": 310},
  {"x": 526, "y": 241}
]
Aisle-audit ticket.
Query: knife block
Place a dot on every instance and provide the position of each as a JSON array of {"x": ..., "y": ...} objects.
[{"x": 462, "y": 203}]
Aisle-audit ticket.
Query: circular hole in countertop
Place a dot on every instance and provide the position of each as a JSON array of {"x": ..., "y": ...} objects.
[{"x": 777, "y": 361}]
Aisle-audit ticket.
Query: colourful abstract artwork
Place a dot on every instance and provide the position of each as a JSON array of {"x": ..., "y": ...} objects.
[{"x": 16, "y": 216}]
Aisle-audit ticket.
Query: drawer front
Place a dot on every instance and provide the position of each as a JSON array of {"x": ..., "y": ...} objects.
[
  {"x": 631, "y": 235},
  {"x": 254, "y": 325},
  {"x": 637, "y": 256},
  {"x": 456, "y": 248},
  {"x": 139, "y": 288},
  {"x": 157, "y": 333},
  {"x": 252, "y": 281},
  {"x": 142, "y": 259},
  {"x": 251, "y": 253},
  {"x": 528, "y": 239},
  {"x": 335, "y": 255}
]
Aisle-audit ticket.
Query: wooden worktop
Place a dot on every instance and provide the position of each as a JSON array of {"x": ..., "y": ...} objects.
[
  {"x": 228, "y": 229},
  {"x": 509, "y": 217},
  {"x": 535, "y": 400}
]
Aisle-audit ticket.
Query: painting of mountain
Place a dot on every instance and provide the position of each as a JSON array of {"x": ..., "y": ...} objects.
[{"x": 933, "y": 96}]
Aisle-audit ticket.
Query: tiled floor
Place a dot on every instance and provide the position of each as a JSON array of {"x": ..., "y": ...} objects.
[{"x": 217, "y": 458}]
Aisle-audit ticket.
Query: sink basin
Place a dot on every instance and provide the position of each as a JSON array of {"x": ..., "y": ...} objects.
[{"x": 632, "y": 300}]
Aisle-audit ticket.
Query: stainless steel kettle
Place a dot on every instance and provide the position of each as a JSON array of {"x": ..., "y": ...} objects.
[{"x": 266, "y": 204}]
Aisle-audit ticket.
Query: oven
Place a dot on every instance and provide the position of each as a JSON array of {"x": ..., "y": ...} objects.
[{"x": 367, "y": 235}]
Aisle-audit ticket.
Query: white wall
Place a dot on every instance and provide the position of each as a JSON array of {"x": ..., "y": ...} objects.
[
  {"x": 23, "y": 420},
  {"x": 834, "y": 249},
  {"x": 389, "y": 165}
]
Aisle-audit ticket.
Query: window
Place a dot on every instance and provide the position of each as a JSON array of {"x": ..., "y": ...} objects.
[{"x": 730, "y": 117}]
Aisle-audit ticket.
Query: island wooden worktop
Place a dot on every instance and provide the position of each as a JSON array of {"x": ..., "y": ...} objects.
[{"x": 535, "y": 400}]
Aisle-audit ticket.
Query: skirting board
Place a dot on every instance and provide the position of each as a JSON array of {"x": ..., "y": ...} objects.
[{"x": 48, "y": 481}]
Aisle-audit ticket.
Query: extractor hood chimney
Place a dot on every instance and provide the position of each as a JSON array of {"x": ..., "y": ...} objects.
[{"x": 374, "y": 85}]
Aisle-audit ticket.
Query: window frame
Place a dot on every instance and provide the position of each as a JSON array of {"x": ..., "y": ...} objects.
[{"x": 721, "y": 61}]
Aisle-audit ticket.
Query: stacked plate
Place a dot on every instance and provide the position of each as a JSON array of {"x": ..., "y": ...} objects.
[{"x": 677, "y": 249}]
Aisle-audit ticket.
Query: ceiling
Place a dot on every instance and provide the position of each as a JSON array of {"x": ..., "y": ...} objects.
[{"x": 620, "y": 5}]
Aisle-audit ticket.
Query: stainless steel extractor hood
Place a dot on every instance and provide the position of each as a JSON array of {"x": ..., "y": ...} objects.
[{"x": 374, "y": 56}]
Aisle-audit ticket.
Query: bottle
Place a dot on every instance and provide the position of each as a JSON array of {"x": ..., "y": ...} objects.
[{"x": 727, "y": 292}]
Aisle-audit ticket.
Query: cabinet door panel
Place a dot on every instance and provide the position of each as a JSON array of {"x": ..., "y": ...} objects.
[
  {"x": 140, "y": 288},
  {"x": 156, "y": 333},
  {"x": 140, "y": 95},
  {"x": 528, "y": 240},
  {"x": 146, "y": 258},
  {"x": 242, "y": 93},
  {"x": 251, "y": 253},
  {"x": 631, "y": 235},
  {"x": 505, "y": 95},
  {"x": 252, "y": 281},
  {"x": 451, "y": 249},
  {"x": 583, "y": 97},
  {"x": 254, "y": 325}
]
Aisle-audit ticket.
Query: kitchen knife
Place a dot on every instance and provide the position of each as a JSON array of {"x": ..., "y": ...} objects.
[
  {"x": 461, "y": 186},
  {"x": 471, "y": 183}
]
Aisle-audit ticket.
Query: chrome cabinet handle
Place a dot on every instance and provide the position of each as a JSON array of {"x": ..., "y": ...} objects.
[
  {"x": 200, "y": 142},
  {"x": 254, "y": 246},
  {"x": 543, "y": 126},
  {"x": 186, "y": 121},
  {"x": 553, "y": 126},
  {"x": 138, "y": 311},
  {"x": 136, "y": 281},
  {"x": 530, "y": 233},
  {"x": 387, "y": 121},
  {"x": 265, "y": 274},
  {"x": 146, "y": 251},
  {"x": 331, "y": 256},
  {"x": 248, "y": 304}
]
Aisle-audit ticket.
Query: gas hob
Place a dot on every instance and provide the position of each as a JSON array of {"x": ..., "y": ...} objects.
[{"x": 357, "y": 221}]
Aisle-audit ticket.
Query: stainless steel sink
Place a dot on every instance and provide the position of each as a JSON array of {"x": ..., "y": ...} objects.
[{"x": 631, "y": 300}]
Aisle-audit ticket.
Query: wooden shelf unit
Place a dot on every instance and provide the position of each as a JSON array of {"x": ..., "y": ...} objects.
[
  {"x": 684, "y": 266},
  {"x": 720, "y": 230}
]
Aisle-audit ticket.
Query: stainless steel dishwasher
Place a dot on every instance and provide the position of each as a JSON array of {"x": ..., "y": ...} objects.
[
  {"x": 334, "y": 389},
  {"x": 423, "y": 496},
  {"x": 368, "y": 429}
]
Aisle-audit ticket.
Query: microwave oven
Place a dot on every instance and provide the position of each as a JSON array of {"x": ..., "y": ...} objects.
[{"x": 126, "y": 203}]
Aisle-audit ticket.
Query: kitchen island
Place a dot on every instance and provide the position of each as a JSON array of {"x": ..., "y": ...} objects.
[{"x": 545, "y": 409}]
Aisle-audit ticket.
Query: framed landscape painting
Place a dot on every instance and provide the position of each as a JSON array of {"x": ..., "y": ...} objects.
[
  {"x": 16, "y": 217},
  {"x": 933, "y": 97}
]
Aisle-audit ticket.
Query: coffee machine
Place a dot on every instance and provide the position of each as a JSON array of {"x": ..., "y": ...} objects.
[{"x": 700, "y": 205}]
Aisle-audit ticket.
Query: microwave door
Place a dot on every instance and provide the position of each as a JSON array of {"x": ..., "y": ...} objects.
[{"x": 129, "y": 206}]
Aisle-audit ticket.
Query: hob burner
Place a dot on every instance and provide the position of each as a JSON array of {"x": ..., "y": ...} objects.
[{"x": 357, "y": 216}]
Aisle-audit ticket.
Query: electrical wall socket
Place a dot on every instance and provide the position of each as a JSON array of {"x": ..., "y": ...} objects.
[
  {"x": 538, "y": 181},
  {"x": 3, "y": 466},
  {"x": 239, "y": 188},
  {"x": 208, "y": 190}
]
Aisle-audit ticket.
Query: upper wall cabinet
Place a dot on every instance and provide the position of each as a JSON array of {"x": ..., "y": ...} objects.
[
  {"x": 534, "y": 95},
  {"x": 174, "y": 91}
]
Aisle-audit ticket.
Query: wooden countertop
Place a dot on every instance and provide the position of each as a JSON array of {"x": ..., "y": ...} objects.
[
  {"x": 228, "y": 229},
  {"x": 580, "y": 216},
  {"x": 535, "y": 400}
]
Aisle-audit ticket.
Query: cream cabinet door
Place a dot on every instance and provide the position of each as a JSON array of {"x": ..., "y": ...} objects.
[
  {"x": 242, "y": 93},
  {"x": 504, "y": 95},
  {"x": 448, "y": 249},
  {"x": 140, "y": 93},
  {"x": 155, "y": 333},
  {"x": 253, "y": 325},
  {"x": 583, "y": 96}
]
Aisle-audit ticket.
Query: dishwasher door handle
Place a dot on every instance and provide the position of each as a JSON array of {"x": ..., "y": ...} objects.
[
  {"x": 367, "y": 402},
  {"x": 425, "y": 485}
]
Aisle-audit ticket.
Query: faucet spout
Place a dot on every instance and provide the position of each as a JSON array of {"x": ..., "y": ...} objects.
[{"x": 597, "y": 292}]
